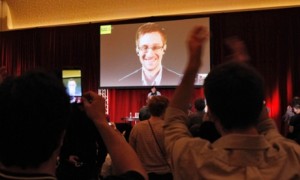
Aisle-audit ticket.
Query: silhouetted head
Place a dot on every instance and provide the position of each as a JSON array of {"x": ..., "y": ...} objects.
[
  {"x": 199, "y": 104},
  {"x": 235, "y": 93},
  {"x": 34, "y": 112},
  {"x": 157, "y": 105}
]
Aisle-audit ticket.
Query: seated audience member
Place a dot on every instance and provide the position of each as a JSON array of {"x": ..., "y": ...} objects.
[
  {"x": 250, "y": 147},
  {"x": 124, "y": 160},
  {"x": 147, "y": 139},
  {"x": 83, "y": 151},
  {"x": 286, "y": 118},
  {"x": 34, "y": 112}
]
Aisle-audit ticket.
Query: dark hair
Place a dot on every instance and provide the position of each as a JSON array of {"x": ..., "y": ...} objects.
[
  {"x": 34, "y": 112},
  {"x": 234, "y": 93},
  {"x": 199, "y": 104},
  {"x": 144, "y": 113},
  {"x": 158, "y": 105}
]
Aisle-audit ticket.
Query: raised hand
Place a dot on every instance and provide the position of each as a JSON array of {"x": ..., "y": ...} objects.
[{"x": 195, "y": 42}]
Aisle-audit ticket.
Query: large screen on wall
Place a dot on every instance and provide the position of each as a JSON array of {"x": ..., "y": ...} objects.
[{"x": 155, "y": 56}]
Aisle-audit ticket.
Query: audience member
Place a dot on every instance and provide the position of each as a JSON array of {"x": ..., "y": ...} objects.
[
  {"x": 34, "y": 112},
  {"x": 83, "y": 151},
  {"x": 286, "y": 118},
  {"x": 125, "y": 161},
  {"x": 250, "y": 147},
  {"x": 147, "y": 139},
  {"x": 206, "y": 130},
  {"x": 197, "y": 117},
  {"x": 199, "y": 123},
  {"x": 294, "y": 124},
  {"x": 144, "y": 113}
]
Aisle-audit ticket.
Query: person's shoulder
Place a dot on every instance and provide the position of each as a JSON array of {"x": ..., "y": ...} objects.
[
  {"x": 170, "y": 77},
  {"x": 288, "y": 145},
  {"x": 134, "y": 78},
  {"x": 138, "y": 127},
  {"x": 142, "y": 123},
  {"x": 131, "y": 75},
  {"x": 169, "y": 72},
  {"x": 12, "y": 175}
]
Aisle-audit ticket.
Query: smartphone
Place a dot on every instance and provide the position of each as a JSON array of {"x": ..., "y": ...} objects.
[{"x": 72, "y": 80}]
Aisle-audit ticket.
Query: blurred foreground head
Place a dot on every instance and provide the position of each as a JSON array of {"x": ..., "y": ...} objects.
[
  {"x": 235, "y": 93},
  {"x": 34, "y": 109}
]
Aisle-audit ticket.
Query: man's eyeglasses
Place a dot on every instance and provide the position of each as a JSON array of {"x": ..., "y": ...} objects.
[{"x": 145, "y": 49}]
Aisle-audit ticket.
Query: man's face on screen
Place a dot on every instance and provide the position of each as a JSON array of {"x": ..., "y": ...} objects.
[
  {"x": 151, "y": 50},
  {"x": 72, "y": 87}
]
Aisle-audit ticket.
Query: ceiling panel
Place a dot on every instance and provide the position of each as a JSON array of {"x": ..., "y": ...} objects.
[{"x": 18, "y": 14}]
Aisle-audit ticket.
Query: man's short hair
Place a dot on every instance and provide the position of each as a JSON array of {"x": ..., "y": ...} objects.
[
  {"x": 199, "y": 104},
  {"x": 149, "y": 28},
  {"x": 234, "y": 93},
  {"x": 34, "y": 112},
  {"x": 157, "y": 105}
]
